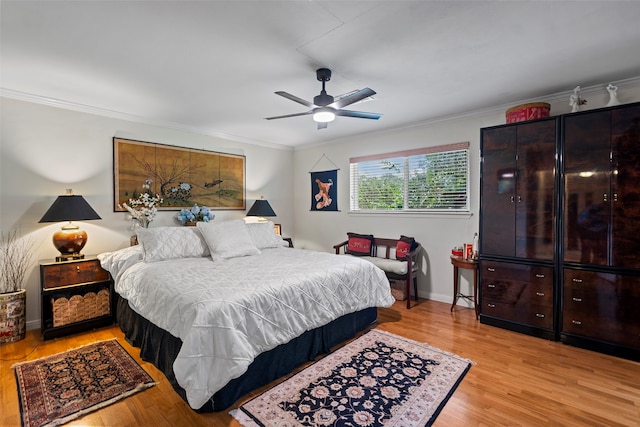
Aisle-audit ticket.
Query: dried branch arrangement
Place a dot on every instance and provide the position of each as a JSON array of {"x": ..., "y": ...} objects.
[{"x": 16, "y": 255}]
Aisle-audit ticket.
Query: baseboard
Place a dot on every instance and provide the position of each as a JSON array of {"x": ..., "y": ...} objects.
[
  {"x": 446, "y": 298},
  {"x": 33, "y": 324}
]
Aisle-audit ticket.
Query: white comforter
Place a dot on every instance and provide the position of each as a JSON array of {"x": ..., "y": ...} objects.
[{"x": 228, "y": 312}]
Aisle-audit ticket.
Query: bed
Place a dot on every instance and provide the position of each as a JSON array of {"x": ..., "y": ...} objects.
[{"x": 224, "y": 308}]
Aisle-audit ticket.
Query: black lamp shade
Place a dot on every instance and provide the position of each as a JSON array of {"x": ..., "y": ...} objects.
[
  {"x": 70, "y": 208},
  {"x": 261, "y": 208},
  {"x": 70, "y": 239}
]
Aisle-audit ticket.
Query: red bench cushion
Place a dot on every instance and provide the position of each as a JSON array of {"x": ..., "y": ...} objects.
[
  {"x": 360, "y": 244},
  {"x": 404, "y": 246}
]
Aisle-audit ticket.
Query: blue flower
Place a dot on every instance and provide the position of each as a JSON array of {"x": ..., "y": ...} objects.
[{"x": 196, "y": 213}]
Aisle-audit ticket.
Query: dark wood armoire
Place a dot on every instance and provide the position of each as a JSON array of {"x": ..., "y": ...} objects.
[{"x": 560, "y": 228}]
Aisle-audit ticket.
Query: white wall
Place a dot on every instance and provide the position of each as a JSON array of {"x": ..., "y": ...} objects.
[
  {"x": 437, "y": 233},
  {"x": 44, "y": 150}
]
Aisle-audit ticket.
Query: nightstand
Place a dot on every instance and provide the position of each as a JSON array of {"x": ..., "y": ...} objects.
[
  {"x": 77, "y": 295},
  {"x": 288, "y": 240}
]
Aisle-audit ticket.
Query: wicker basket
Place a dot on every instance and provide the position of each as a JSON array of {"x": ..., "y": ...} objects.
[
  {"x": 79, "y": 307},
  {"x": 398, "y": 290}
]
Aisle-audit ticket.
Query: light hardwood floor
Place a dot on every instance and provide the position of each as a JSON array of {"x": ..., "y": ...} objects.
[{"x": 516, "y": 380}]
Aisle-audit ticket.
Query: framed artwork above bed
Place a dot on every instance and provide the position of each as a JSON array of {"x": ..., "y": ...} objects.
[{"x": 181, "y": 176}]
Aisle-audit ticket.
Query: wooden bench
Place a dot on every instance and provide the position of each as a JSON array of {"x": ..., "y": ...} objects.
[{"x": 382, "y": 252}]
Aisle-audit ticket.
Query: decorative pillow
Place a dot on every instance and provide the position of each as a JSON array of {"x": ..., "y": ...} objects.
[
  {"x": 161, "y": 243},
  {"x": 263, "y": 235},
  {"x": 360, "y": 244},
  {"x": 228, "y": 239},
  {"x": 404, "y": 246}
]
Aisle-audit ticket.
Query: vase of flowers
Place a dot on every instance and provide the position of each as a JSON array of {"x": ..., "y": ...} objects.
[
  {"x": 195, "y": 214},
  {"x": 142, "y": 210},
  {"x": 16, "y": 254}
]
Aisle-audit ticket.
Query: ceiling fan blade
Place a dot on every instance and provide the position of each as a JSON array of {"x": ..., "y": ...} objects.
[
  {"x": 358, "y": 114},
  {"x": 322, "y": 125},
  {"x": 289, "y": 115},
  {"x": 354, "y": 97},
  {"x": 295, "y": 99}
]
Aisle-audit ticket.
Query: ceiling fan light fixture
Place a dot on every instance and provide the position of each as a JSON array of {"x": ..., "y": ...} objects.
[
  {"x": 325, "y": 107},
  {"x": 324, "y": 115}
]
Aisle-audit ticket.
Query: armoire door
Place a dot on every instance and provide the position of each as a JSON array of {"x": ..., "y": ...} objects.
[
  {"x": 602, "y": 198},
  {"x": 518, "y": 190},
  {"x": 625, "y": 189},
  {"x": 535, "y": 190},
  {"x": 498, "y": 191},
  {"x": 587, "y": 172}
]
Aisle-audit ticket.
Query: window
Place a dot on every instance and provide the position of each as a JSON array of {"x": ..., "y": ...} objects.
[{"x": 433, "y": 179}]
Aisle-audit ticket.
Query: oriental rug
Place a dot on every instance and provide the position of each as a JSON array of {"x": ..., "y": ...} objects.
[
  {"x": 57, "y": 389},
  {"x": 378, "y": 379}
]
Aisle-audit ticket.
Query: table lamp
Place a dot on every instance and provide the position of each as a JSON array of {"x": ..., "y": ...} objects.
[
  {"x": 261, "y": 208},
  {"x": 69, "y": 240}
]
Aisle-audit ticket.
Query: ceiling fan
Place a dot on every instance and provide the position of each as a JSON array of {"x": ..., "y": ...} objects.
[{"x": 325, "y": 108}]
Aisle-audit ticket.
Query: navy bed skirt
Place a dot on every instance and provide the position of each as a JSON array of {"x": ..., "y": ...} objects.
[{"x": 161, "y": 348}]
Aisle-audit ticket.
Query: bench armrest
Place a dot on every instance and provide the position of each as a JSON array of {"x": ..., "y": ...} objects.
[
  {"x": 412, "y": 259},
  {"x": 414, "y": 253},
  {"x": 340, "y": 245}
]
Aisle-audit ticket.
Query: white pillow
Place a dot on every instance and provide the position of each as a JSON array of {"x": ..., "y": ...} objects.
[
  {"x": 118, "y": 261},
  {"x": 228, "y": 239},
  {"x": 263, "y": 235},
  {"x": 161, "y": 243}
]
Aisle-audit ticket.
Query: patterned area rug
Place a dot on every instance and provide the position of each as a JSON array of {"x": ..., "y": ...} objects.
[
  {"x": 57, "y": 389},
  {"x": 378, "y": 379}
]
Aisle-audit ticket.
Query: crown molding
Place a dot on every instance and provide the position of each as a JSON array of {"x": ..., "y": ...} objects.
[
  {"x": 52, "y": 102},
  {"x": 58, "y": 103},
  {"x": 495, "y": 109},
  {"x": 552, "y": 98}
]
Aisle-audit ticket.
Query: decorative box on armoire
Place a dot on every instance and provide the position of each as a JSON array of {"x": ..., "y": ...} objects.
[{"x": 517, "y": 226}]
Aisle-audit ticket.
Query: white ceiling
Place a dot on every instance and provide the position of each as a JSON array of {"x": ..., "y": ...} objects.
[{"x": 213, "y": 66}]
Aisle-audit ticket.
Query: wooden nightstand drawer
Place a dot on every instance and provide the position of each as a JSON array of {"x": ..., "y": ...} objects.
[{"x": 72, "y": 273}]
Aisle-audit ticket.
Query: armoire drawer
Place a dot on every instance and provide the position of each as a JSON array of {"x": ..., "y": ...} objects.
[
  {"x": 516, "y": 283},
  {"x": 603, "y": 326},
  {"x": 516, "y": 293},
  {"x": 602, "y": 306},
  {"x": 530, "y": 314}
]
